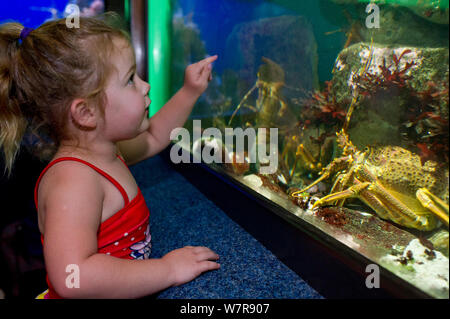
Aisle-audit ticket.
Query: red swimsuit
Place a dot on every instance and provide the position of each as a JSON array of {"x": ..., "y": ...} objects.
[{"x": 126, "y": 234}]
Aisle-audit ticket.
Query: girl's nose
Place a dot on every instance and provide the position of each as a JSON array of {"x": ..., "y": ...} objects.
[{"x": 146, "y": 88}]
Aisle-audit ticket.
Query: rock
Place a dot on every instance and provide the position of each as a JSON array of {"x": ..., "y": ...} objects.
[
  {"x": 379, "y": 119},
  {"x": 400, "y": 27},
  {"x": 436, "y": 15},
  {"x": 287, "y": 40},
  {"x": 440, "y": 240},
  {"x": 431, "y": 10},
  {"x": 429, "y": 274}
]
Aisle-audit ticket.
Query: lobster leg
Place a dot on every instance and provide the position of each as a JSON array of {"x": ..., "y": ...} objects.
[
  {"x": 344, "y": 182},
  {"x": 336, "y": 165},
  {"x": 385, "y": 204},
  {"x": 337, "y": 186},
  {"x": 401, "y": 213},
  {"x": 350, "y": 192},
  {"x": 436, "y": 205}
]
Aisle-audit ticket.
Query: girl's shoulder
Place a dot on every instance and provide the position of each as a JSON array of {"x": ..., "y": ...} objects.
[
  {"x": 69, "y": 175},
  {"x": 70, "y": 188},
  {"x": 64, "y": 168}
]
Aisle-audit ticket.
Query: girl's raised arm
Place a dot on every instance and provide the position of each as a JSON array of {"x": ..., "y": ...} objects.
[{"x": 172, "y": 115}]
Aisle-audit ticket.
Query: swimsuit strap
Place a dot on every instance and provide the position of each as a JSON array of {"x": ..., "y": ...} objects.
[{"x": 98, "y": 170}]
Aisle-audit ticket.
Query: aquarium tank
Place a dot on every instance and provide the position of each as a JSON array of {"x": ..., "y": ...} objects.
[
  {"x": 358, "y": 93},
  {"x": 32, "y": 13}
]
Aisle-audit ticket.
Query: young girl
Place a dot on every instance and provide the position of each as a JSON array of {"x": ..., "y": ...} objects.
[{"x": 79, "y": 89}]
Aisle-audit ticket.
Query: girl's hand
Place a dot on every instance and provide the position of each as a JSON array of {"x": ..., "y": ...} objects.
[
  {"x": 197, "y": 75},
  {"x": 189, "y": 262}
]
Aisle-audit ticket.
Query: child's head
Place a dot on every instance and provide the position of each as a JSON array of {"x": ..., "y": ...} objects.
[{"x": 42, "y": 75}]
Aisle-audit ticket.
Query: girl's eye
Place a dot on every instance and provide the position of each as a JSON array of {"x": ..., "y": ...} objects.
[{"x": 130, "y": 80}]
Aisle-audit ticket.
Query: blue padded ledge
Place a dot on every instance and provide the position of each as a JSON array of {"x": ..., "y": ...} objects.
[{"x": 181, "y": 215}]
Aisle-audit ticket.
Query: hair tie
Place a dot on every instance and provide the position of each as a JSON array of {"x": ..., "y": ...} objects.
[{"x": 25, "y": 32}]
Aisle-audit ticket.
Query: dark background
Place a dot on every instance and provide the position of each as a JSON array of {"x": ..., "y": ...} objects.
[
  {"x": 22, "y": 272},
  {"x": 21, "y": 261}
]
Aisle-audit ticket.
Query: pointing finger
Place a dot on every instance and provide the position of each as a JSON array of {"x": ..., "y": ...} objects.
[{"x": 208, "y": 60}]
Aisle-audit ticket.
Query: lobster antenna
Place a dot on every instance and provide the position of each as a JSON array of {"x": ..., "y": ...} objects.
[
  {"x": 240, "y": 104},
  {"x": 355, "y": 94}
]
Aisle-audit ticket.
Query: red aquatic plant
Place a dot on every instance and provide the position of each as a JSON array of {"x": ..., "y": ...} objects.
[
  {"x": 432, "y": 122},
  {"x": 323, "y": 107},
  {"x": 389, "y": 77},
  {"x": 332, "y": 215},
  {"x": 425, "y": 153},
  {"x": 433, "y": 94},
  {"x": 433, "y": 141},
  {"x": 427, "y": 119}
]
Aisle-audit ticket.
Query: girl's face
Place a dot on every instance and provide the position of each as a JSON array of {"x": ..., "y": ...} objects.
[{"x": 126, "y": 111}]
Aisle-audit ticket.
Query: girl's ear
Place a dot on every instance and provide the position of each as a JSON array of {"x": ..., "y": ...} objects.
[{"x": 83, "y": 115}]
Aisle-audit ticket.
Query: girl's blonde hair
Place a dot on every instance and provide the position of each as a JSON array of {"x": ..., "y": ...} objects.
[{"x": 43, "y": 74}]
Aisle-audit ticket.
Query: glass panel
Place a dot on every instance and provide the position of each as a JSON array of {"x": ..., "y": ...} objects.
[
  {"x": 32, "y": 13},
  {"x": 358, "y": 93}
]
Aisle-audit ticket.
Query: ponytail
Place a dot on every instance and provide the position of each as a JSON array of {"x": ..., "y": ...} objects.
[{"x": 12, "y": 120}]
